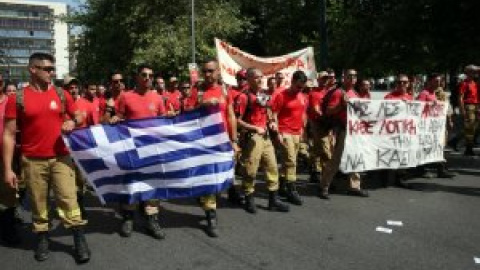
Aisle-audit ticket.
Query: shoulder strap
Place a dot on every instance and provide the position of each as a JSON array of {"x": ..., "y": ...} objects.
[
  {"x": 61, "y": 95},
  {"x": 20, "y": 101},
  {"x": 326, "y": 100},
  {"x": 248, "y": 105}
]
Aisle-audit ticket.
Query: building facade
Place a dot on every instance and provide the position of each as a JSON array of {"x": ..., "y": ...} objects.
[{"x": 27, "y": 27}]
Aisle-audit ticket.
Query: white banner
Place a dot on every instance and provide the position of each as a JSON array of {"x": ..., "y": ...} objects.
[
  {"x": 390, "y": 134},
  {"x": 232, "y": 59}
]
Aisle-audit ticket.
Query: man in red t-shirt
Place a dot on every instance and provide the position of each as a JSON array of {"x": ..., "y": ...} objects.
[
  {"x": 289, "y": 111},
  {"x": 401, "y": 90},
  {"x": 186, "y": 102},
  {"x": 109, "y": 105},
  {"x": 258, "y": 147},
  {"x": 336, "y": 109},
  {"x": 8, "y": 195},
  {"x": 320, "y": 135},
  {"x": 468, "y": 102},
  {"x": 41, "y": 117},
  {"x": 140, "y": 103},
  {"x": 211, "y": 93}
]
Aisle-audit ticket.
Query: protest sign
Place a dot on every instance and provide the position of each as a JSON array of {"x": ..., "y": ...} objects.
[
  {"x": 389, "y": 134},
  {"x": 232, "y": 59}
]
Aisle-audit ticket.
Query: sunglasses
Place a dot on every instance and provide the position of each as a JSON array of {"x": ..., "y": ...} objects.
[
  {"x": 146, "y": 75},
  {"x": 46, "y": 68},
  {"x": 403, "y": 82},
  {"x": 117, "y": 81},
  {"x": 211, "y": 70},
  {"x": 185, "y": 87}
]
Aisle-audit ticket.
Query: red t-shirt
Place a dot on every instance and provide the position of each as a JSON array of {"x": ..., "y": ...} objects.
[
  {"x": 96, "y": 110},
  {"x": 183, "y": 104},
  {"x": 364, "y": 95},
  {"x": 256, "y": 115},
  {"x": 175, "y": 94},
  {"x": 337, "y": 98},
  {"x": 3, "y": 104},
  {"x": 427, "y": 95},
  {"x": 86, "y": 108},
  {"x": 315, "y": 99},
  {"x": 290, "y": 109},
  {"x": 397, "y": 95},
  {"x": 102, "y": 104},
  {"x": 133, "y": 105},
  {"x": 469, "y": 89},
  {"x": 216, "y": 91},
  {"x": 41, "y": 122}
]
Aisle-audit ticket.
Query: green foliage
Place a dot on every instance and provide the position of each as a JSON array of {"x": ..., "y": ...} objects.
[
  {"x": 119, "y": 34},
  {"x": 377, "y": 37}
]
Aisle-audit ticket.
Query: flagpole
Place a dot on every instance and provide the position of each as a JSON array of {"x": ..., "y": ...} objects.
[{"x": 193, "y": 31}]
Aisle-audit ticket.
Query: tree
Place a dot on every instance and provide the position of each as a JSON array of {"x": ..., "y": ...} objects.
[{"x": 119, "y": 34}]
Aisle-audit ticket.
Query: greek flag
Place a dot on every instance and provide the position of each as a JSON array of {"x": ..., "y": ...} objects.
[{"x": 156, "y": 158}]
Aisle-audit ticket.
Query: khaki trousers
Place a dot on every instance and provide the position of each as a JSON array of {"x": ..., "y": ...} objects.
[
  {"x": 259, "y": 150},
  {"x": 288, "y": 156},
  {"x": 332, "y": 166},
  {"x": 321, "y": 146},
  {"x": 471, "y": 122},
  {"x": 56, "y": 173}
]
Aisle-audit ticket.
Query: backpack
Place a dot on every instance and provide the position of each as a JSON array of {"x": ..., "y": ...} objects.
[
  {"x": 21, "y": 102},
  {"x": 326, "y": 121}
]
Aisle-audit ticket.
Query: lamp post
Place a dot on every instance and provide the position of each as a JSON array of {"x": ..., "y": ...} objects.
[
  {"x": 323, "y": 35},
  {"x": 193, "y": 31}
]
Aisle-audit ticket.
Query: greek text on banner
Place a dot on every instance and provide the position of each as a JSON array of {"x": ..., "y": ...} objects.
[{"x": 389, "y": 134}]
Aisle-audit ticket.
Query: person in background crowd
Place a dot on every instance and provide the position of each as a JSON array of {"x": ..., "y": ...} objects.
[
  {"x": 363, "y": 89},
  {"x": 279, "y": 82},
  {"x": 185, "y": 103},
  {"x": 10, "y": 89},
  {"x": 428, "y": 95},
  {"x": 289, "y": 108},
  {"x": 40, "y": 110},
  {"x": 336, "y": 109},
  {"x": 140, "y": 103},
  {"x": 270, "y": 86},
  {"x": 320, "y": 151},
  {"x": 253, "y": 119},
  {"x": 159, "y": 84},
  {"x": 211, "y": 93},
  {"x": 8, "y": 200},
  {"x": 400, "y": 92},
  {"x": 468, "y": 103},
  {"x": 108, "y": 108}
]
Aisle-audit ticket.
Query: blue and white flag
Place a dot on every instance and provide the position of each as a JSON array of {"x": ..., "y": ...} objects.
[{"x": 157, "y": 158}]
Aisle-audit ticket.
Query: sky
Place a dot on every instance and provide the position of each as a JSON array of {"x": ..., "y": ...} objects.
[{"x": 73, "y": 3}]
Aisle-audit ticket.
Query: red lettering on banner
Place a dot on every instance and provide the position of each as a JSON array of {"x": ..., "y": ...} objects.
[
  {"x": 393, "y": 126},
  {"x": 433, "y": 110},
  {"x": 300, "y": 64},
  {"x": 361, "y": 127},
  {"x": 230, "y": 71},
  {"x": 290, "y": 62}
]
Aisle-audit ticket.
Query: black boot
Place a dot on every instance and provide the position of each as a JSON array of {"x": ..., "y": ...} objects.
[
  {"x": 315, "y": 177},
  {"x": 127, "y": 224},
  {"x": 234, "y": 197},
  {"x": 469, "y": 151},
  {"x": 82, "y": 252},
  {"x": 274, "y": 204},
  {"x": 81, "y": 204},
  {"x": 153, "y": 227},
  {"x": 41, "y": 249},
  {"x": 442, "y": 171},
  {"x": 292, "y": 194},
  {"x": 453, "y": 143},
  {"x": 212, "y": 222},
  {"x": 282, "y": 187},
  {"x": 9, "y": 227},
  {"x": 250, "y": 206}
]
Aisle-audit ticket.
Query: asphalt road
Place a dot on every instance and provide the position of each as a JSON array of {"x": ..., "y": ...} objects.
[{"x": 440, "y": 230}]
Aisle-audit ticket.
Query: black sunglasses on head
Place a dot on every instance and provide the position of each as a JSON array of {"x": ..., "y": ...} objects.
[{"x": 46, "y": 68}]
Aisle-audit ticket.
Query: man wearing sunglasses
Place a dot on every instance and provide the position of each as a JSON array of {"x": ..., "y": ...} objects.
[
  {"x": 336, "y": 109},
  {"x": 289, "y": 111},
  {"x": 109, "y": 104},
  {"x": 41, "y": 112},
  {"x": 140, "y": 103},
  {"x": 211, "y": 93},
  {"x": 186, "y": 102}
]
